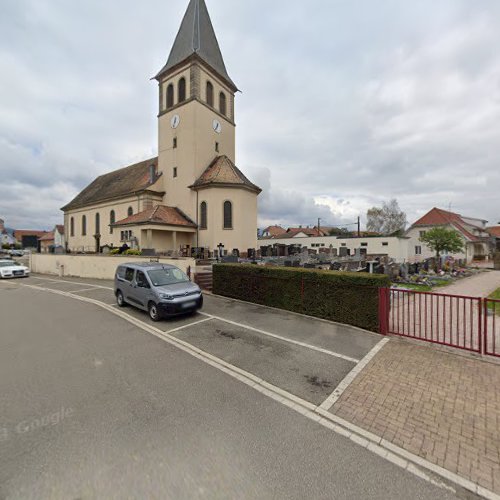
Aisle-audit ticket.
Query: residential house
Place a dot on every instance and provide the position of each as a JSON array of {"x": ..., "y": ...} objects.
[
  {"x": 494, "y": 233},
  {"x": 473, "y": 232},
  {"x": 192, "y": 194},
  {"x": 47, "y": 242},
  {"x": 6, "y": 235}
]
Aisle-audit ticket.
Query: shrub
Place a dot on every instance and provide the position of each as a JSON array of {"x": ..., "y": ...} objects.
[
  {"x": 350, "y": 298},
  {"x": 130, "y": 251},
  {"x": 115, "y": 251}
]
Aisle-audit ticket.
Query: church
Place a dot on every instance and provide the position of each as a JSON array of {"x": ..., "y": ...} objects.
[{"x": 192, "y": 195}]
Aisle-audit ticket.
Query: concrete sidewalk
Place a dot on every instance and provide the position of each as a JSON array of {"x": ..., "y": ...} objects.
[
  {"x": 442, "y": 407},
  {"x": 480, "y": 285}
]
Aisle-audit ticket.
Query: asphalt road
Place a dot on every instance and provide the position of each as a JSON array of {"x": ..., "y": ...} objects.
[{"x": 94, "y": 407}]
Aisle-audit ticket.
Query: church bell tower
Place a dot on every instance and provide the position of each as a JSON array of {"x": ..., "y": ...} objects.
[{"x": 196, "y": 108}]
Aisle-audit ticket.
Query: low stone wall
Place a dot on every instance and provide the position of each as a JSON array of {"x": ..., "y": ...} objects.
[{"x": 92, "y": 266}]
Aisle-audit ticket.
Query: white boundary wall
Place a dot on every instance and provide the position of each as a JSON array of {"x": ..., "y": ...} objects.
[
  {"x": 92, "y": 266},
  {"x": 396, "y": 247}
]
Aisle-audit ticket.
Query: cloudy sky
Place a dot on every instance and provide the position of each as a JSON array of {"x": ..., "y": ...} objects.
[{"x": 345, "y": 103}]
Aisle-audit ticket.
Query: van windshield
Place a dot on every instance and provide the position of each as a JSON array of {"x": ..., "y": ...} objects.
[{"x": 162, "y": 277}]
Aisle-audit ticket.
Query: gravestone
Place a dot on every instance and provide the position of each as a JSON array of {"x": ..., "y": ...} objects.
[{"x": 343, "y": 252}]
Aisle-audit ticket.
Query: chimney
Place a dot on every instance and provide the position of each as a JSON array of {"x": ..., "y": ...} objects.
[
  {"x": 152, "y": 174},
  {"x": 2, "y": 226}
]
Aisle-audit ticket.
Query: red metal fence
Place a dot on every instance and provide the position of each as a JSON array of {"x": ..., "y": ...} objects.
[{"x": 468, "y": 323}]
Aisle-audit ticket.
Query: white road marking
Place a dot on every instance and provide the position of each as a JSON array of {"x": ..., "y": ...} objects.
[
  {"x": 349, "y": 378},
  {"x": 74, "y": 283},
  {"x": 285, "y": 339},
  {"x": 371, "y": 442},
  {"x": 84, "y": 290}
]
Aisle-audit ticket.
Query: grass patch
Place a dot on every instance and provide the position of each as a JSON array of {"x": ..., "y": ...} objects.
[{"x": 494, "y": 306}]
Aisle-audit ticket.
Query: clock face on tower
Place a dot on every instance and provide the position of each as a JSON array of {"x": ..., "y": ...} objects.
[
  {"x": 174, "y": 122},
  {"x": 217, "y": 126}
]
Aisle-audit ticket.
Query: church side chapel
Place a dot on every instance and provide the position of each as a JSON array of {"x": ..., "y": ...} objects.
[{"x": 192, "y": 196}]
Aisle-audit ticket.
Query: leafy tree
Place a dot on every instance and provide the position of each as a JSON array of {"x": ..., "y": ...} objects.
[
  {"x": 440, "y": 239},
  {"x": 388, "y": 219},
  {"x": 337, "y": 231}
]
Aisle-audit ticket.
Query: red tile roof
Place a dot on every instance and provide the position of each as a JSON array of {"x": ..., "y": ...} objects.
[
  {"x": 47, "y": 237},
  {"x": 494, "y": 231},
  {"x": 223, "y": 172},
  {"x": 160, "y": 214},
  {"x": 275, "y": 230},
  {"x": 439, "y": 217},
  {"x": 292, "y": 231},
  {"x": 19, "y": 233}
]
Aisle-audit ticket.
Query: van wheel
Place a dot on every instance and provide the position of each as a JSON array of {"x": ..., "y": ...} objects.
[
  {"x": 154, "y": 314},
  {"x": 120, "y": 299}
]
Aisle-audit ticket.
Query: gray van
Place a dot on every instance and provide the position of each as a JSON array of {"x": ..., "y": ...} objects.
[{"x": 160, "y": 289}]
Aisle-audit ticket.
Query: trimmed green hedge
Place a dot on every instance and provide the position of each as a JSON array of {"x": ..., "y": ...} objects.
[{"x": 350, "y": 298}]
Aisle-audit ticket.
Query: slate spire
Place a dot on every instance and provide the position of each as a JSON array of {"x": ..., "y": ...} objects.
[{"x": 197, "y": 36}]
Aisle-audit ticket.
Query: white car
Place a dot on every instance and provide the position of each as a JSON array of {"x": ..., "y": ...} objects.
[{"x": 11, "y": 269}]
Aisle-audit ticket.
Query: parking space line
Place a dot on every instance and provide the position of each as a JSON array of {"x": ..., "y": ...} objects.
[
  {"x": 187, "y": 326},
  {"x": 349, "y": 378},
  {"x": 375, "y": 444},
  {"x": 285, "y": 339}
]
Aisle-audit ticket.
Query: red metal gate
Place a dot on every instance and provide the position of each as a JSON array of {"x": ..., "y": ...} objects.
[
  {"x": 491, "y": 327},
  {"x": 450, "y": 320}
]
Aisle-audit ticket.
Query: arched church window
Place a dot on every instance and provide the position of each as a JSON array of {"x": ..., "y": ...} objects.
[
  {"x": 228, "y": 215},
  {"x": 182, "y": 90},
  {"x": 170, "y": 96},
  {"x": 97, "y": 223},
  {"x": 130, "y": 211},
  {"x": 112, "y": 220},
  {"x": 203, "y": 215},
  {"x": 84, "y": 225},
  {"x": 222, "y": 103},
  {"x": 210, "y": 94},
  {"x": 72, "y": 226}
]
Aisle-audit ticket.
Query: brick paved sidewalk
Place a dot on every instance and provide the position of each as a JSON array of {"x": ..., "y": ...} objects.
[{"x": 442, "y": 407}]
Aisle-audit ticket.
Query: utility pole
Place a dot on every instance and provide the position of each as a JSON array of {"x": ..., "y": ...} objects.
[
  {"x": 319, "y": 226},
  {"x": 359, "y": 226}
]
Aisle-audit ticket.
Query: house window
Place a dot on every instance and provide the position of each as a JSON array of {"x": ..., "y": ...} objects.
[
  {"x": 216, "y": 147},
  {"x": 175, "y": 142},
  {"x": 210, "y": 94},
  {"x": 97, "y": 223},
  {"x": 72, "y": 226},
  {"x": 125, "y": 235},
  {"x": 343, "y": 244},
  {"x": 175, "y": 171},
  {"x": 84, "y": 225},
  {"x": 385, "y": 244},
  {"x": 222, "y": 103},
  {"x": 364, "y": 244},
  {"x": 130, "y": 211},
  {"x": 203, "y": 215},
  {"x": 228, "y": 215},
  {"x": 418, "y": 250},
  {"x": 422, "y": 234},
  {"x": 182, "y": 90},
  {"x": 112, "y": 220},
  {"x": 170, "y": 96}
]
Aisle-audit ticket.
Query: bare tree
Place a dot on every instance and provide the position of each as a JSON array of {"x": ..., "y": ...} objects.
[{"x": 388, "y": 219}]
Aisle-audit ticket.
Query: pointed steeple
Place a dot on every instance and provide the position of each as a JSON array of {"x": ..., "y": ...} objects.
[{"x": 197, "y": 36}]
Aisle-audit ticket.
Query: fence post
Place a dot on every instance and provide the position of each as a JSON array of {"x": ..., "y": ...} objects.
[{"x": 383, "y": 310}]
